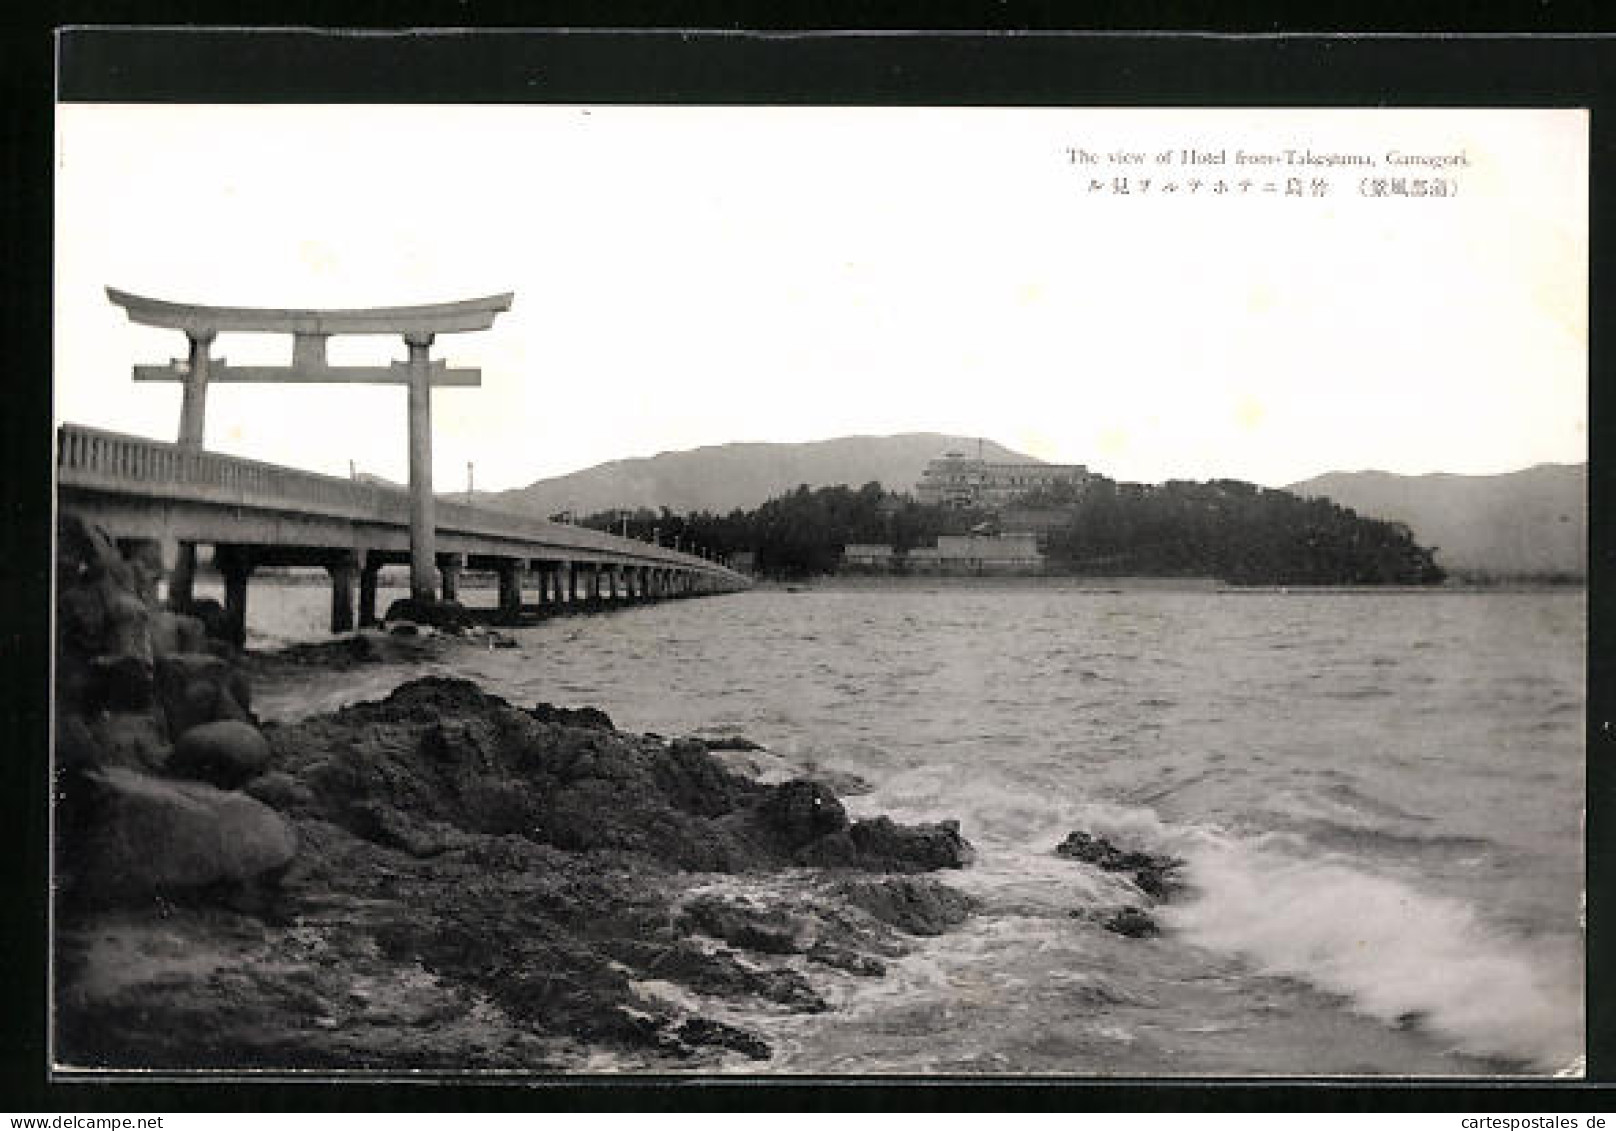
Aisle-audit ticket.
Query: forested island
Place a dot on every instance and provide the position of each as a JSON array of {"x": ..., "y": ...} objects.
[{"x": 1227, "y": 529}]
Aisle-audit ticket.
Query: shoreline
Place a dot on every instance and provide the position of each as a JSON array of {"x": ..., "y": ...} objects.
[
  {"x": 436, "y": 880},
  {"x": 479, "y": 886},
  {"x": 1139, "y": 584}
]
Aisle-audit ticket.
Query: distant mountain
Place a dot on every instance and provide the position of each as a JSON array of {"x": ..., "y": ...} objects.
[
  {"x": 1530, "y": 522},
  {"x": 727, "y": 476}
]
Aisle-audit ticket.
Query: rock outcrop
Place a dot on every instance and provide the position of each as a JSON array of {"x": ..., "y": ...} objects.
[
  {"x": 1156, "y": 876},
  {"x": 438, "y": 879},
  {"x": 153, "y": 733},
  {"x": 151, "y": 835}
]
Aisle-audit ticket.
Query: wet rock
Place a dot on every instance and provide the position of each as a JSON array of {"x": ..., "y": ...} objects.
[
  {"x": 882, "y": 844},
  {"x": 1133, "y": 923},
  {"x": 913, "y": 904},
  {"x": 149, "y": 834},
  {"x": 520, "y": 875},
  {"x": 696, "y": 782},
  {"x": 850, "y": 961},
  {"x": 719, "y": 973},
  {"x": 729, "y": 742},
  {"x": 1155, "y": 875},
  {"x": 590, "y": 718},
  {"x": 227, "y": 753},
  {"x": 797, "y": 812},
  {"x": 769, "y": 930},
  {"x": 445, "y": 616},
  {"x": 702, "y": 1031}
]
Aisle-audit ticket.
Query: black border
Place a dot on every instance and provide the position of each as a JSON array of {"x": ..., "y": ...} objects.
[{"x": 1012, "y": 65}]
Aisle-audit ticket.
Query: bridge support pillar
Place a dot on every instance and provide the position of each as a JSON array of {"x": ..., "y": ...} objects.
[
  {"x": 510, "y": 590},
  {"x": 236, "y": 564},
  {"x": 449, "y": 567},
  {"x": 342, "y": 573},
  {"x": 549, "y": 585},
  {"x": 367, "y": 591}
]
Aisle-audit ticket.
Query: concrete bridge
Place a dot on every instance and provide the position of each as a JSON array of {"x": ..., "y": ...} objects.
[{"x": 155, "y": 497}]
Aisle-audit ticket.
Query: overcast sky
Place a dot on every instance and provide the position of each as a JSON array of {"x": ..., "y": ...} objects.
[{"x": 688, "y": 276}]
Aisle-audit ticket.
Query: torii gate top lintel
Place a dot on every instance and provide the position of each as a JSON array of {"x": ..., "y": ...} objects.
[
  {"x": 432, "y": 318},
  {"x": 309, "y": 330}
]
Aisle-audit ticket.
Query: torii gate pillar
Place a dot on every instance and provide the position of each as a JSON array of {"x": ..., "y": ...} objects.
[
  {"x": 193, "y": 421},
  {"x": 423, "y": 531}
]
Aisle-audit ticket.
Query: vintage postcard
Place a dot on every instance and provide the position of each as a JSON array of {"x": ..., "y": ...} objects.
[{"x": 569, "y": 588}]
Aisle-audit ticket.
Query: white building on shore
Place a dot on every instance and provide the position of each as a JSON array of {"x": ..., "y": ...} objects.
[
  {"x": 978, "y": 553},
  {"x": 957, "y": 481}
]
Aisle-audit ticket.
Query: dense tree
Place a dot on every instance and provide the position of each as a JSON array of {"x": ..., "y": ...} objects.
[
  {"x": 1225, "y": 528},
  {"x": 1234, "y": 531}
]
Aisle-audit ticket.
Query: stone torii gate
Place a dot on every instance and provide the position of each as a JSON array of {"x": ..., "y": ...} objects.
[{"x": 309, "y": 330}]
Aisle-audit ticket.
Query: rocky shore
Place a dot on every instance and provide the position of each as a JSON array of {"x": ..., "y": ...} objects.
[{"x": 436, "y": 880}]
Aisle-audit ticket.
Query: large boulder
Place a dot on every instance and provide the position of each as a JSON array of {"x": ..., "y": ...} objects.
[
  {"x": 120, "y": 682},
  {"x": 173, "y": 632},
  {"x": 214, "y": 620},
  {"x": 153, "y": 835},
  {"x": 123, "y": 738},
  {"x": 200, "y": 687},
  {"x": 103, "y": 647},
  {"x": 85, "y": 555},
  {"x": 227, "y": 753}
]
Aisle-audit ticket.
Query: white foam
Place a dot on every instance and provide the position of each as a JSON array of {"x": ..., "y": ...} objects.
[{"x": 1390, "y": 949}]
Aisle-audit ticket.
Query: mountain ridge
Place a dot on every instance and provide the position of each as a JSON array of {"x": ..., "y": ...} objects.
[
  {"x": 1531, "y": 522},
  {"x": 745, "y": 474}
]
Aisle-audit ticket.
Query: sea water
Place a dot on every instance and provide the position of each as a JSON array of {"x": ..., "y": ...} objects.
[{"x": 1378, "y": 797}]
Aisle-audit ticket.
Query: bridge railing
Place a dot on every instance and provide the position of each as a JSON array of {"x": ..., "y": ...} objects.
[{"x": 93, "y": 457}]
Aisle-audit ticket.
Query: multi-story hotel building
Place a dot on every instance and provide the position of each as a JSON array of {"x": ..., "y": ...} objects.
[{"x": 957, "y": 481}]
